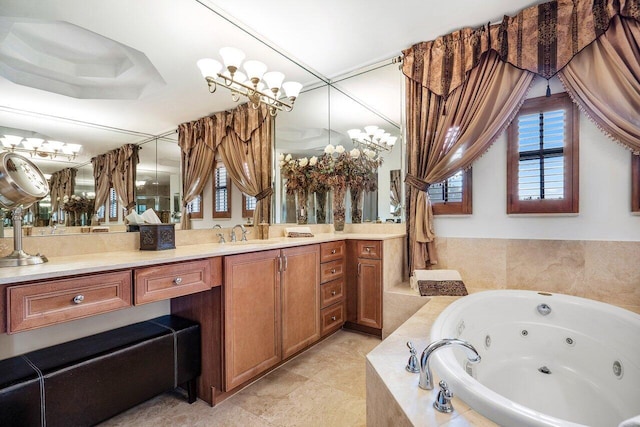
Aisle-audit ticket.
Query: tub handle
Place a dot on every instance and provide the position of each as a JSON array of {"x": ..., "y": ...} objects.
[{"x": 544, "y": 309}]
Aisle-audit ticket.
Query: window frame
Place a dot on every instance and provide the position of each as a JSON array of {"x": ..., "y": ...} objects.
[
  {"x": 635, "y": 183},
  {"x": 463, "y": 207},
  {"x": 198, "y": 214},
  {"x": 220, "y": 214},
  {"x": 246, "y": 213},
  {"x": 570, "y": 203}
]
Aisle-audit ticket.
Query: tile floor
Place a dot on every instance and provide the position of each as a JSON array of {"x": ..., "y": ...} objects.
[{"x": 324, "y": 386}]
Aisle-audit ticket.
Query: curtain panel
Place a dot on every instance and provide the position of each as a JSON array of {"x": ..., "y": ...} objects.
[
  {"x": 123, "y": 162},
  {"x": 439, "y": 145},
  {"x": 102, "y": 179},
  {"x": 62, "y": 183},
  {"x": 246, "y": 152}
]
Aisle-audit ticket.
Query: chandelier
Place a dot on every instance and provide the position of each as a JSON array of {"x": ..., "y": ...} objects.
[
  {"x": 373, "y": 138},
  {"x": 258, "y": 85},
  {"x": 40, "y": 147}
]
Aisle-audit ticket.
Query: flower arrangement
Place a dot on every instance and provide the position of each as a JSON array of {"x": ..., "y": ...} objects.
[
  {"x": 76, "y": 204},
  {"x": 296, "y": 171}
]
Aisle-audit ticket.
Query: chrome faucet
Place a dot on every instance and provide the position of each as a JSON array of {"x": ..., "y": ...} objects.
[
  {"x": 426, "y": 378},
  {"x": 220, "y": 235},
  {"x": 244, "y": 233}
]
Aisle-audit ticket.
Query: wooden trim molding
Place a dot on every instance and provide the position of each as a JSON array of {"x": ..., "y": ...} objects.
[
  {"x": 458, "y": 208},
  {"x": 635, "y": 183}
]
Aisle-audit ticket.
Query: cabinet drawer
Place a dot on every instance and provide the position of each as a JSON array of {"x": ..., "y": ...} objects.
[
  {"x": 331, "y": 292},
  {"x": 369, "y": 249},
  {"x": 331, "y": 251},
  {"x": 174, "y": 280},
  {"x": 332, "y": 318},
  {"x": 47, "y": 303},
  {"x": 331, "y": 270}
]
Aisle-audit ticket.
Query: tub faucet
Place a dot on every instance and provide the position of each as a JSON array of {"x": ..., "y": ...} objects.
[
  {"x": 53, "y": 229},
  {"x": 426, "y": 378},
  {"x": 244, "y": 233}
]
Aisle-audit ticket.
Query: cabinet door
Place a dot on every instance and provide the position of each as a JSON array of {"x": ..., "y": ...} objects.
[
  {"x": 369, "y": 292},
  {"x": 252, "y": 315},
  {"x": 300, "y": 298}
]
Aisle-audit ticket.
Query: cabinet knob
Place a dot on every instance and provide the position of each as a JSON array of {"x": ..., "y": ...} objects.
[
  {"x": 78, "y": 299},
  {"x": 177, "y": 280},
  {"x": 368, "y": 249},
  {"x": 333, "y": 293},
  {"x": 333, "y": 251},
  {"x": 333, "y": 271},
  {"x": 333, "y": 318}
]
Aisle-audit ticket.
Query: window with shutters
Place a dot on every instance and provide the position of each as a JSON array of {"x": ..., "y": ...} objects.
[
  {"x": 194, "y": 208},
  {"x": 221, "y": 192},
  {"x": 542, "y": 157},
  {"x": 635, "y": 183},
  {"x": 452, "y": 196},
  {"x": 113, "y": 205},
  {"x": 248, "y": 206}
]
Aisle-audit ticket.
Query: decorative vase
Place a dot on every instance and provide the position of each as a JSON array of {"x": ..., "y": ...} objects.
[
  {"x": 302, "y": 212},
  {"x": 321, "y": 207},
  {"x": 357, "y": 197},
  {"x": 338, "y": 208}
]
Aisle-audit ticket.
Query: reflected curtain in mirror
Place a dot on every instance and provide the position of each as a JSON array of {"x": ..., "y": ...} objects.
[
  {"x": 197, "y": 141},
  {"x": 396, "y": 191},
  {"x": 123, "y": 174},
  {"x": 62, "y": 183},
  {"x": 102, "y": 177},
  {"x": 246, "y": 152}
]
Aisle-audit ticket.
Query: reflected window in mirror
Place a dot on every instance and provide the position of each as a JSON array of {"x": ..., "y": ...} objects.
[
  {"x": 452, "y": 196},
  {"x": 221, "y": 192},
  {"x": 248, "y": 206},
  {"x": 113, "y": 205},
  {"x": 194, "y": 208}
]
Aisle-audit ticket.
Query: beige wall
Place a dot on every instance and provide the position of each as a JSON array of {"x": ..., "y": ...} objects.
[{"x": 601, "y": 270}]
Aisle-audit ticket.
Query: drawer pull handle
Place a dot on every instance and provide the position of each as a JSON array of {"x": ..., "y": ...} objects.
[
  {"x": 368, "y": 249},
  {"x": 333, "y": 271},
  {"x": 78, "y": 299},
  {"x": 333, "y": 251},
  {"x": 333, "y": 318},
  {"x": 177, "y": 280},
  {"x": 333, "y": 293}
]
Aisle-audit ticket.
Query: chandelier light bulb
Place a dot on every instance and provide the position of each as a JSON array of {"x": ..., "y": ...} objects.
[
  {"x": 34, "y": 143},
  {"x": 273, "y": 79},
  {"x": 55, "y": 145},
  {"x": 232, "y": 58},
  {"x": 255, "y": 70},
  {"x": 292, "y": 89},
  {"x": 392, "y": 140},
  {"x": 209, "y": 67},
  {"x": 11, "y": 141},
  {"x": 370, "y": 130},
  {"x": 354, "y": 133}
]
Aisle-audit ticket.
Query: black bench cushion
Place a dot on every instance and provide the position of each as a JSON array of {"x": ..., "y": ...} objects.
[{"x": 19, "y": 393}]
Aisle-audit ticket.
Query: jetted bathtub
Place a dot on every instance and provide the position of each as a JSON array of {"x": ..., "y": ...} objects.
[{"x": 547, "y": 359}]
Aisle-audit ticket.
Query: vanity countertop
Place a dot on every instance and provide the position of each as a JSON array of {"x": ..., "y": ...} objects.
[{"x": 61, "y": 266}]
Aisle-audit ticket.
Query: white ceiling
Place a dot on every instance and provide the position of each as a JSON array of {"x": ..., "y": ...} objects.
[{"x": 324, "y": 38}]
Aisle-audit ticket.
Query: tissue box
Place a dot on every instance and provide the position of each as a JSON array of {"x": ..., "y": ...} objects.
[{"x": 157, "y": 237}]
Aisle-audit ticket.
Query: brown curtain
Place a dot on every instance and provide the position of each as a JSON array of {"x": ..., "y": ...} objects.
[
  {"x": 541, "y": 39},
  {"x": 246, "y": 152},
  {"x": 102, "y": 179},
  {"x": 197, "y": 141},
  {"x": 62, "y": 183},
  {"x": 396, "y": 183},
  {"x": 446, "y": 134},
  {"x": 123, "y": 174},
  {"x": 604, "y": 80}
]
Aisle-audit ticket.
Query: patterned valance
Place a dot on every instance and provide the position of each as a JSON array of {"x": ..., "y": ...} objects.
[{"x": 541, "y": 39}]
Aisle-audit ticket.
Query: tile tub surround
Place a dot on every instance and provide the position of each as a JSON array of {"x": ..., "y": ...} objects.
[
  {"x": 606, "y": 271},
  {"x": 393, "y": 395},
  {"x": 324, "y": 386}
]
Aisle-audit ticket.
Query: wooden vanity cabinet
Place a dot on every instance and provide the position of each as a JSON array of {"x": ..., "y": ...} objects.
[
  {"x": 364, "y": 286},
  {"x": 332, "y": 288},
  {"x": 271, "y": 309}
]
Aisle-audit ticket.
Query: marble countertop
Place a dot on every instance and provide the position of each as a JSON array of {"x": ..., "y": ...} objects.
[{"x": 61, "y": 266}]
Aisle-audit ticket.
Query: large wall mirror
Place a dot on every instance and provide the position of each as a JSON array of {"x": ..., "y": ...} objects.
[{"x": 323, "y": 112}]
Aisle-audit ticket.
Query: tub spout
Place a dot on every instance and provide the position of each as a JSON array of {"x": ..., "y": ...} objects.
[{"x": 426, "y": 378}]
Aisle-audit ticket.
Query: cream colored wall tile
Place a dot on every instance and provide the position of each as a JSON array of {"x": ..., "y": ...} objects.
[
  {"x": 612, "y": 272},
  {"x": 546, "y": 265},
  {"x": 480, "y": 262},
  {"x": 394, "y": 262}
]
